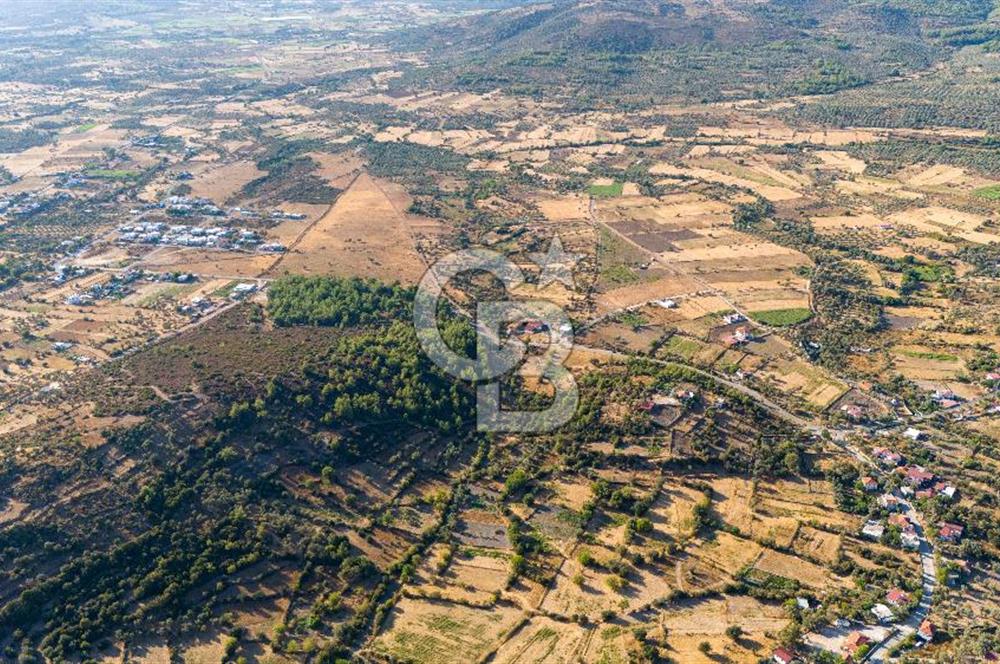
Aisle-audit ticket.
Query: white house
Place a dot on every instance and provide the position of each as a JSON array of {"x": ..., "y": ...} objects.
[
  {"x": 883, "y": 613},
  {"x": 873, "y": 530}
]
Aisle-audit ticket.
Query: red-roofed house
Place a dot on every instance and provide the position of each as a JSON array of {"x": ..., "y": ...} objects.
[
  {"x": 887, "y": 457},
  {"x": 951, "y": 532},
  {"x": 926, "y": 631},
  {"x": 870, "y": 484},
  {"x": 889, "y": 502},
  {"x": 900, "y": 521},
  {"x": 918, "y": 477},
  {"x": 853, "y": 412},
  {"x": 897, "y": 597},
  {"x": 534, "y": 326},
  {"x": 784, "y": 656},
  {"x": 854, "y": 641}
]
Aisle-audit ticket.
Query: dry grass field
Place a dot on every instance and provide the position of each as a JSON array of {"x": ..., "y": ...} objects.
[
  {"x": 430, "y": 631},
  {"x": 367, "y": 233}
]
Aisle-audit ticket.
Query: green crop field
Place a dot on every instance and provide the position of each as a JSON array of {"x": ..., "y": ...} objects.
[
  {"x": 782, "y": 317},
  {"x": 989, "y": 193},
  {"x": 112, "y": 174},
  {"x": 606, "y": 190}
]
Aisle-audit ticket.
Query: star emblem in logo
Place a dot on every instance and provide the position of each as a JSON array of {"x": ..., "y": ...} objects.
[{"x": 556, "y": 264}]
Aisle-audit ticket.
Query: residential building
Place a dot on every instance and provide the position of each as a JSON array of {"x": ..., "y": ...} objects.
[
  {"x": 883, "y": 613},
  {"x": 889, "y": 502},
  {"x": 784, "y": 656},
  {"x": 888, "y": 458},
  {"x": 897, "y": 597},
  {"x": 873, "y": 530},
  {"x": 951, "y": 532},
  {"x": 918, "y": 477},
  {"x": 854, "y": 642}
]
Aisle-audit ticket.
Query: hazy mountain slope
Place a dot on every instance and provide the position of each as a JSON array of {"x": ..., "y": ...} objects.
[{"x": 613, "y": 49}]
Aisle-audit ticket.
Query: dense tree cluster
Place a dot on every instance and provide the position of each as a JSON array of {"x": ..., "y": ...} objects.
[
  {"x": 19, "y": 140},
  {"x": 828, "y": 76},
  {"x": 13, "y": 270},
  {"x": 334, "y": 302}
]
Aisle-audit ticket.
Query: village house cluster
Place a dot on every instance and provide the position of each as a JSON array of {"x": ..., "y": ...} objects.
[
  {"x": 28, "y": 203},
  {"x": 182, "y": 235},
  {"x": 915, "y": 482},
  {"x": 120, "y": 285},
  {"x": 161, "y": 233}
]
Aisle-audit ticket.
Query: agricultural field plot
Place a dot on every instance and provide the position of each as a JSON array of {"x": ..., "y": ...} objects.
[
  {"x": 836, "y": 160},
  {"x": 570, "y": 493},
  {"x": 944, "y": 221},
  {"x": 798, "y": 378},
  {"x": 737, "y": 508},
  {"x": 769, "y": 131},
  {"x": 430, "y": 631},
  {"x": 815, "y": 544},
  {"x": 469, "y": 576},
  {"x": 864, "y": 221},
  {"x": 793, "y": 568},
  {"x": 692, "y": 237},
  {"x": 558, "y": 526},
  {"x": 926, "y": 364},
  {"x": 724, "y": 172},
  {"x": 581, "y": 590},
  {"x": 366, "y": 233},
  {"x": 566, "y": 208},
  {"x": 690, "y": 350},
  {"x": 208, "y": 263},
  {"x": 695, "y": 621},
  {"x": 682, "y": 289},
  {"x": 609, "y": 644},
  {"x": 72, "y": 150},
  {"x": 482, "y": 529},
  {"x": 813, "y": 500},
  {"x": 56, "y": 337},
  {"x": 635, "y": 338},
  {"x": 220, "y": 183},
  {"x": 672, "y": 513},
  {"x": 543, "y": 640},
  {"x": 722, "y": 555},
  {"x": 778, "y": 512},
  {"x": 867, "y": 186}
]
